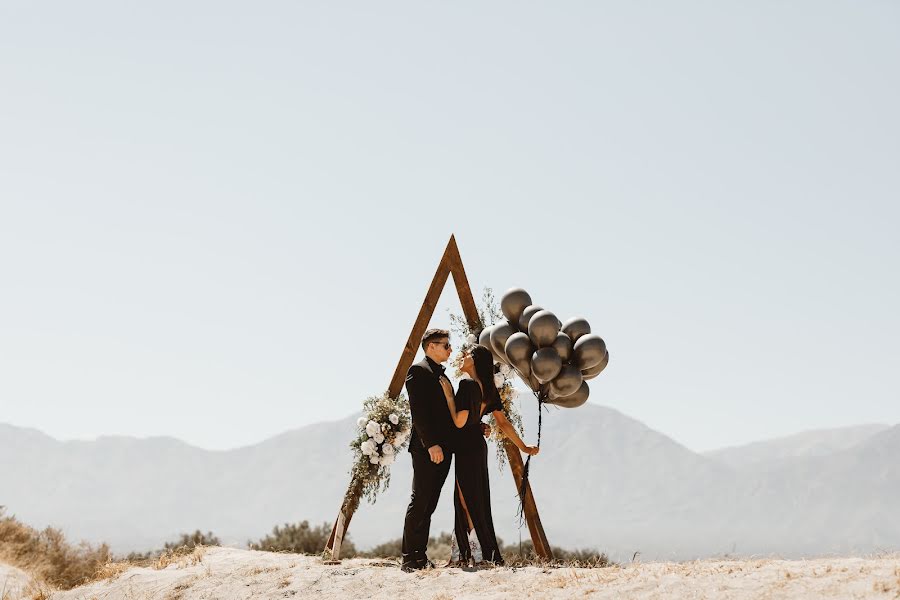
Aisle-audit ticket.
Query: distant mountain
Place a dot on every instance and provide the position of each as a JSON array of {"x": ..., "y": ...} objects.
[
  {"x": 602, "y": 480},
  {"x": 801, "y": 445}
]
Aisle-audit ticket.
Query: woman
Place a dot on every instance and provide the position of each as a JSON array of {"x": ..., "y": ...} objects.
[{"x": 476, "y": 397}]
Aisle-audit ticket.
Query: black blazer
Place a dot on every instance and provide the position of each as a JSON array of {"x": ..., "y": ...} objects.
[{"x": 431, "y": 422}]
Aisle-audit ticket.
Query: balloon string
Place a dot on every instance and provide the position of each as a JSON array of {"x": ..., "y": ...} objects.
[{"x": 523, "y": 488}]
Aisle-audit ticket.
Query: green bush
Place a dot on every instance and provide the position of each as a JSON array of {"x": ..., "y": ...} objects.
[{"x": 300, "y": 538}]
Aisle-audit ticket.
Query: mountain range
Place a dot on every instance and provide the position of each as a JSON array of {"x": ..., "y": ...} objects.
[{"x": 602, "y": 480}]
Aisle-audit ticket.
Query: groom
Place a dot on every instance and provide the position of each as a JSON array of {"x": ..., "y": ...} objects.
[{"x": 431, "y": 445}]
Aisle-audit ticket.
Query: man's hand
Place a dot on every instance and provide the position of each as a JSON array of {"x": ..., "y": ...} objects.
[
  {"x": 436, "y": 454},
  {"x": 486, "y": 430}
]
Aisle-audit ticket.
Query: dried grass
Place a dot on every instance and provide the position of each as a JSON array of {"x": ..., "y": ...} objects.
[{"x": 47, "y": 556}]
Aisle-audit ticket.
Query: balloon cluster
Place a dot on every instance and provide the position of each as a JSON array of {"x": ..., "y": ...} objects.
[{"x": 556, "y": 359}]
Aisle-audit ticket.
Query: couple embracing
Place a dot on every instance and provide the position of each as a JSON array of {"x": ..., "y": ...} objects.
[{"x": 447, "y": 424}]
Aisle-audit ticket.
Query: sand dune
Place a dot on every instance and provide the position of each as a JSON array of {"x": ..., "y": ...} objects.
[{"x": 231, "y": 574}]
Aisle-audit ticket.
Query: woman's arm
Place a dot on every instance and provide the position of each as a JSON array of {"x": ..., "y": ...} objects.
[
  {"x": 510, "y": 432},
  {"x": 459, "y": 418}
]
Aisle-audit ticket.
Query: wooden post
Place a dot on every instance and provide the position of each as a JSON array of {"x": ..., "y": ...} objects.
[{"x": 451, "y": 263}]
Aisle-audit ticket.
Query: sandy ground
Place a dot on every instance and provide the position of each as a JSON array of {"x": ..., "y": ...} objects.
[{"x": 225, "y": 573}]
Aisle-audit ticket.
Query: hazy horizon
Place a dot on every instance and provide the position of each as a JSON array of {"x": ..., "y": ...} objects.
[{"x": 218, "y": 223}]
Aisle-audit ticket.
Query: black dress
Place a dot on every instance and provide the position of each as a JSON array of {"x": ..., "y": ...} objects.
[{"x": 472, "y": 475}]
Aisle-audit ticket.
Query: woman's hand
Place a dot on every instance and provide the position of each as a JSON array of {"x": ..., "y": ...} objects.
[
  {"x": 531, "y": 450},
  {"x": 448, "y": 387}
]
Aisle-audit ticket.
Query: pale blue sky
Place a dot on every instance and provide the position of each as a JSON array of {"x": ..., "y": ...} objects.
[{"x": 218, "y": 220}]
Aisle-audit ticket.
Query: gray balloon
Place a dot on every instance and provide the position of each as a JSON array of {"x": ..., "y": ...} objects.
[
  {"x": 542, "y": 328},
  {"x": 594, "y": 371},
  {"x": 563, "y": 345},
  {"x": 484, "y": 339},
  {"x": 576, "y": 327},
  {"x": 567, "y": 382},
  {"x": 574, "y": 400},
  {"x": 518, "y": 348},
  {"x": 589, "y": 351},
  {"x": 514, "y": 303},
  {"x": 545, "y": 364},
  {"x": 526, "y": 316},
  {"x": 499, "y": 334},
  {"x": 523, "y": 367}
]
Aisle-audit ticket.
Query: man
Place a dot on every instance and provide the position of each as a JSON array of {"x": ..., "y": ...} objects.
[{"x": 431, "y": 445}]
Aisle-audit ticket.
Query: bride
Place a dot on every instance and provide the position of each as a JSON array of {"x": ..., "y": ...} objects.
[{"x": 476, "y": 397}]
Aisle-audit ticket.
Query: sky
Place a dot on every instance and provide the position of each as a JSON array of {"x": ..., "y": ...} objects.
[{"x": 218, "y": 220}]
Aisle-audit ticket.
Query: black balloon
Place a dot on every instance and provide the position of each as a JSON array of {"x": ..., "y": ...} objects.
[
  {"x": 542, "y": 328},
  {"x": 589, "y": 351},
  {"x": 529, "y": 312},
  {"x": 518, "y": 348},
  {"x": 514, "y": 303},
  {"x": 563, "y": 346},
  {"x": 546, "y": 364},
  {"x": 567, "y": 382},
  {"x": 575, "y": 328},
  {"x": 574, "y": 400},
  {"x": 501, "y": 332},
  {"x": 596, "y": 370}
]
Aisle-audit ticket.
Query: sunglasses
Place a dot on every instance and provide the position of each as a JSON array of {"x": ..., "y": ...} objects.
[{"x": 446, "y": 345}]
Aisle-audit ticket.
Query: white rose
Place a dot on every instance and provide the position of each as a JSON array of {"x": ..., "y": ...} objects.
[
  {"x": 379, "y": 437},
  {"x": 499, "y": 380},
  {"x": 372, "y": 428},
  {"x": 374, "y": 459},
  {"x": 394, "y": 418},
  {"x": 472, "y": 339},
  {"x": 386, "y": 460},
  {"x": 400, "y": 439},
  {"x": 387, "y": 449},
  {"x": 367, "y": 447},
  {"x": 361, "y": 422},
  {"x": 505, "y": 369}
]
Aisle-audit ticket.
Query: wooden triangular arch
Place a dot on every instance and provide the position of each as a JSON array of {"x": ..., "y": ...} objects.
[{"x": 451, "y": 263}]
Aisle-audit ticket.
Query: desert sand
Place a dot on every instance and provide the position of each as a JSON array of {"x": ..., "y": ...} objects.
[{"x": 227, "y": 574}]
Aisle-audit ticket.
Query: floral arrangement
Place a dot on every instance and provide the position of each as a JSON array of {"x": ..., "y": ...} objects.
[
  {"x": 504, "y": 375},
  {"x": 382, "y": 431}
]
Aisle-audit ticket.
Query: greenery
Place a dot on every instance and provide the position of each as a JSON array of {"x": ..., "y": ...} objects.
[{"x": 300, "y": 538}]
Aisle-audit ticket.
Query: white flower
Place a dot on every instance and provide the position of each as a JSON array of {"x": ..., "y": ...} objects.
[
  {"x": 386, "y": 460},
  {"x": 400, "y": 439},
  {"x": 472, "y": 339},
  {"x": 394, "y": 418},
  {"x": 379, "y": 437},
  {"x": 499, "y": 380},
  {"x": 361, "y": 422},
  {"x": 367, "y": 447},
  {"x": 387, "y": 449},
  {"x": 372, "y": 428},
  {"x": 505, "y": 369},
  {"x": 374, "y": 459}
]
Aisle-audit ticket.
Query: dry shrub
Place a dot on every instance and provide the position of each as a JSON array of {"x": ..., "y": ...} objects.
[
  {"x": 183, "y": 556},
  {"x": 47, "y": 556}
]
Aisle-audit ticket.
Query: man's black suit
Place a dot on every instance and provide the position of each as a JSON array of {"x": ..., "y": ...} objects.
[{"x": 432, "y": 426}]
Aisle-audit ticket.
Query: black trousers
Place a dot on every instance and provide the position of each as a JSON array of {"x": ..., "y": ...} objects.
[
  {"x": 472, "y": 479},
  {"x": 428, "y": 479}
]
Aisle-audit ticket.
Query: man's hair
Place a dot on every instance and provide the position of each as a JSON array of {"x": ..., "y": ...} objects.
[{"x": 433, "y": 335}]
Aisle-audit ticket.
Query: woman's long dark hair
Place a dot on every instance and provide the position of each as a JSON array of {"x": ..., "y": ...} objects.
[{"x": 484, "y": 368}]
